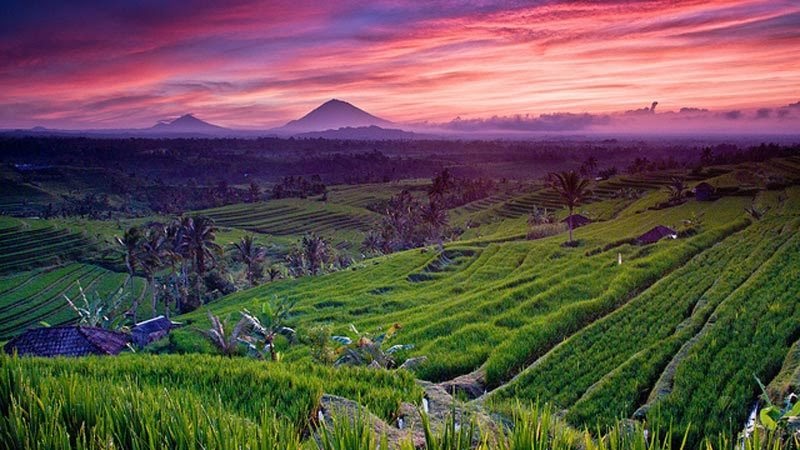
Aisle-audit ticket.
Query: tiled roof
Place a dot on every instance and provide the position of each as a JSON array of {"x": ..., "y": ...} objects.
[
  {"x": 68, "y": 341},
  {"x": 151, "y": 330}
]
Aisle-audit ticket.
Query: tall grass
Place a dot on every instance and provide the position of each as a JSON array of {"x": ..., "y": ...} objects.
[{"x": 67, "y": 409}]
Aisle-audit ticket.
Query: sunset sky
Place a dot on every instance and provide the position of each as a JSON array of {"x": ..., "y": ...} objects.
[{"x": 258, "y": 64}]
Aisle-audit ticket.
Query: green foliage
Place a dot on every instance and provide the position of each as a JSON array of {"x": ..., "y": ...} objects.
[
  {"x": 99, "y": 311},
  {"x": 598, "y": 339},
  {"x": 319, "y": 339},
  {"x": 366, "y": 349},
  {"x": 263, "y": 328},
  {"x": 224, "y": 337},
  {"x": 350, "y": 434},
  {"x": 615, "y": 361},
  {"x": 143, "y": 402},
  {"x": 752, "y": 332}
]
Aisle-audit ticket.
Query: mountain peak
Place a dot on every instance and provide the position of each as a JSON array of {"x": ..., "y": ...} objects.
[
  {"x": 332, "y": 115},
  {"x": 336, "y": 101},
  {"x": 186, "y": 123}
]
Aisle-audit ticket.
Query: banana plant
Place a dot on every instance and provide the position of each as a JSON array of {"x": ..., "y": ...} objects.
[
  {"x": 97, "y": 311},
  {"x": 364, "y": 349},
  {"x": 774, "y": 417},
  {"x": 266, "y": 326}
]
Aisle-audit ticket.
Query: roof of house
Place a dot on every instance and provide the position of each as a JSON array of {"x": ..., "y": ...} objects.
[
  {"x": 577, "y": 220},
  {"x": 655, "y": 234},
  {"x": 68, "y": 341},
  {"x": 704, "y": 187},
  {"x": 153, "y": 325}
]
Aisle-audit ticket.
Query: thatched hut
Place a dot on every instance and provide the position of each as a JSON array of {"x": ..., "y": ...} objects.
[
  {"x": 704, "y": 192},
  {"x": 151, "y": 330},
  {"x": 655, "y": 234},
  {"x": 576, "y": 220},
  {"x": 68, "y": 341}
]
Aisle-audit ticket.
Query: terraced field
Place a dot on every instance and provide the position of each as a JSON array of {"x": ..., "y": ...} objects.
[
  {"x": 789, "y": 166},
  {"x": 19, "y": 198},
  {"x": 28, "y": 298},
  {"x": 674, "y": 332},
  {"x": 293, "y": 217},
  {"x": 603, "y": 190},
  {"x": 362, "y": 195},
  {"x": 600, "y": 340},
  {"x": 34, "y": 243},
  {"x": 618, "y": 364}
]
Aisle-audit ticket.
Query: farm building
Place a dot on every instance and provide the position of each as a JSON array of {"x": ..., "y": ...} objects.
[
  {"x": 68, "y": 341},
  {"x": 151, "y": 330},
  {"x": 577, "y": 220},
  {"x": 704, "y": 192},
  {"x": 656, "y": 234}
]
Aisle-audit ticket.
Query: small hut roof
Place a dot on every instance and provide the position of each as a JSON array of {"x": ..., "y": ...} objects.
[
  {"x": 153, "y": 325},
  {"x": 655, "y": 234},
  {"x": 68, "y": 341},
  {"x": 704, "y": 187},
  {"x": 577, "y": 220}
]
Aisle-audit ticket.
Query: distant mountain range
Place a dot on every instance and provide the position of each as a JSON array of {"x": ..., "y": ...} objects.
[{"x": 334, "y": 119}]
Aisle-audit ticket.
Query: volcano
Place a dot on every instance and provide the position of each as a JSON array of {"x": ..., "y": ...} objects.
[{"x": 332, "y": 115}]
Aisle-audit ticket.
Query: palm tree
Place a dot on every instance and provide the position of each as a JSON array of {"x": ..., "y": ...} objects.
[
  {"x": 252, "y": 256},
  {"x": 372, "y": 243},
  {"x": 254, "y": 192},
  {"x": 197, "y": 245},
  {"x": 317, "y": 253},
  {"x": 572, "y": 189},
  {"x": 153, "y": 251},
  {"x": 434, "y": 215},
  {"x": 274, "y": 273},
  {"x": 589, "y": 166},
  {"x": 676, "y": 189},
  {"x": 441, "y": 184},
  {"x": 175, "y": 259},
  {"x": 130, "y": 243}
]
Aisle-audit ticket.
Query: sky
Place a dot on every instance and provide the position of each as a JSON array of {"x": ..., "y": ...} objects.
[{"x": 257, "y": 64}]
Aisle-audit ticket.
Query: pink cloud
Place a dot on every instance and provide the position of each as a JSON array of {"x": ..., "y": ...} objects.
[{"x": 259, "y": 64}]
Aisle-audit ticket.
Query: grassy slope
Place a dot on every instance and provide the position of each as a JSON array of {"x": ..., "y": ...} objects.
[
  {"x": 503, "y": 303},
  {"x": 290, "y": 392},
  {"x": 481, "y": 294}
]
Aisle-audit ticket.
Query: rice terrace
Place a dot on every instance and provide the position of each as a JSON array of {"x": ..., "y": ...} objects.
[{"x": 207, "y": 243}]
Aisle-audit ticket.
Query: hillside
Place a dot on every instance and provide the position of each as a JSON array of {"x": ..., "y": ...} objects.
[
  {"x": 526, "y": 314},
  {"x": 604, "y": 330}
]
